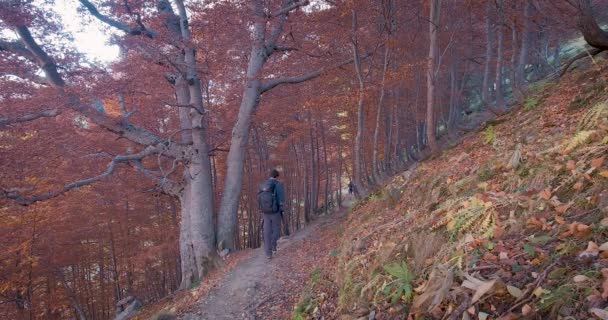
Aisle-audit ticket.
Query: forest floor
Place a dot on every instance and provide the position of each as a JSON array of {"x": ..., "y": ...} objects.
[
  {"x": 257, "y": 288},
  {"x": 510, "y": 223}
]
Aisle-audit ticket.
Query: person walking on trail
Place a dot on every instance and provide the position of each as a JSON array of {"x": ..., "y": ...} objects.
[
  {"x": 350, "y": 187},
  {"x": 270, "y": 201}
]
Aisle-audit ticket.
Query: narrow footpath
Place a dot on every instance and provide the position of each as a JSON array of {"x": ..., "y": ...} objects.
[{"x": 268, "y": 289}]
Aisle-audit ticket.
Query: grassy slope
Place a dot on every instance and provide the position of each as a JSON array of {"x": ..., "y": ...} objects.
[{"x": 514, "y": 235}]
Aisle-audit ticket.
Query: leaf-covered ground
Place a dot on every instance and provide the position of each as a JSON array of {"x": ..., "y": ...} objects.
[{"x": 511, "y": 223}]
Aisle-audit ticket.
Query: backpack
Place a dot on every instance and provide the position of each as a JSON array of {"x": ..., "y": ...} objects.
[{"x": 267, "y": 197}]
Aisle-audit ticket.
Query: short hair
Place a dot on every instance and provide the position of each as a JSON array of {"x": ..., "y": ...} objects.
[{"x": 274, "y": 173}]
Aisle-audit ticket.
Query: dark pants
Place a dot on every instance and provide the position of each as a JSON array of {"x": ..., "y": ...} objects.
[{"x": 272, "y": 223}]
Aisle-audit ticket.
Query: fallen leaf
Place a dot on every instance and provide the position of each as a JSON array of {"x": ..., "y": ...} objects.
[
  {"x": 592, "y": 251},
  {"x": 600, "y": 313},
  {"x": 515, "y": 292},
  {"x": 439, "y": 284},
  {"x": 596, "y": 163},
  {"x": 559, "y": 220},
  {"x": 526, "y": 310},
  {"x": 481, "y": 287},
  {"x": 503, "y": 256},
  {"x": 604, "y": 173},
  {"x": 509, "y": 316},
  {"x": 577, "y": 186},
  {"x": 563, "y": 208},
  {"x": 604, "y": 246},
  {"x": 605, "y": 283},
  {"x": 471, "y": 310},
  {"x": 580, "y": 278},
  {"x": 539, "y": 291},
  {"x": 570, "y": 165},
  {"x": 545, "y": 194},
  {"x": 482, "y": 316}
]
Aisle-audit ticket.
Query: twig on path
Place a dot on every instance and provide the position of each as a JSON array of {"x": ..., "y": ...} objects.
[
  {"x": 526, "y": 296},
  {"x": 464, "y": 305}
]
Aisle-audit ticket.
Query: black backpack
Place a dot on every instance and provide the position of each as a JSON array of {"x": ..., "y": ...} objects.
[{"x": 267, "y": 197}]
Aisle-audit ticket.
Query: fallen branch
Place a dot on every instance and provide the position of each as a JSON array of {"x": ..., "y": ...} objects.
[
  {"x": 591, "y": 53},
  {"x": 464, "y": 305}
]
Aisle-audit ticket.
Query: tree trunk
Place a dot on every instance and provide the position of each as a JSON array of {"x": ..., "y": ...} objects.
[
  {"x": 196, "y": 199},
  {"x": 525, "y": 47},
  {"x": 375, "y": 163},
  {"x": 485, "y": 87},
  {"x": 500, "y": 100},
  {"x": 587, "y": 24},
  {"x": 357, "y": 167},
  {"x": 431, "y": 74},
  {"x": 240, "y": 134}
]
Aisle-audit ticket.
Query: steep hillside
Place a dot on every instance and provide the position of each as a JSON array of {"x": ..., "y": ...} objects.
[{"x": 510, "y": 224}]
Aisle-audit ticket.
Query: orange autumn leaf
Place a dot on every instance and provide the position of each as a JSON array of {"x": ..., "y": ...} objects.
[
  {"x": 596, "y": 163},
  {"x": 545, "y": 194}
]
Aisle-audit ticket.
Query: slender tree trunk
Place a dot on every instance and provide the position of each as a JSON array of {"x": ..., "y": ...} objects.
[
  {"x": 357, "y": 168},
  {"x": 326, "y": 166},
  {"x": 375, "y": 163},
  {"x": 525, "y": 46},
  {"x": 500, "y": 100},
  {"x": 431, "y": 74},
  {"x": 485, "y": 87},
  {"x": 240, "y": 134},
  {"x": 514, "y": 66}
]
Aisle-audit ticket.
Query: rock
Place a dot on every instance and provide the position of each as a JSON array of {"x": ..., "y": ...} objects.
[
  {"x": 372, "y": 315},
  {"x": 224, "y": 253}
]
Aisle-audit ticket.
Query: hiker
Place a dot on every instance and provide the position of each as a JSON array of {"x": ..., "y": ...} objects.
[
  {"x": 350, "y": 187},
  {"x": 270, "y": 202}
]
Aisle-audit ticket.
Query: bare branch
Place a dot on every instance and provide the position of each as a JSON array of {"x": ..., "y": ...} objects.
[
  {"x": 17, "y": 48},
  {"x": 269, "y": 84},
  {"x": 117, "y": 24},
  {"x": 15, "y": 195},
  {"x": 46, "y": 63},
  {"x": 289, "y": 8},
  {"x": 29, "y": 117}
]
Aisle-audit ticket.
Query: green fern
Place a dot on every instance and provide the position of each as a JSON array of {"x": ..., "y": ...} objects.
[
  {"x": 472, "y": 216},
  {"x": 530, "y": 103},
  {"x": 489, "y": 135},
  {"x": 594, "y": 117},
  {"x": 579, "y": 139},
  {"x": 401, "y": 286}
]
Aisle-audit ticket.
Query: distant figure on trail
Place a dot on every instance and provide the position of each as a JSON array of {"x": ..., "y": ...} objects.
[
  {"x": 351, "y": 187},
  {"x": 270, "y": 201}
]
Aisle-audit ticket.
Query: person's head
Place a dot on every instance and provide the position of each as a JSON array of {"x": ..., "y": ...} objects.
[{"x": 274, "y": 173}]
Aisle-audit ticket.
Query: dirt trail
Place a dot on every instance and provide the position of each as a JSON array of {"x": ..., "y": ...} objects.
[{"x": 255, "y": 282}]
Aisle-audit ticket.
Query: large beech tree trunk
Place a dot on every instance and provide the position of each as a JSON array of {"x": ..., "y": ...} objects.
[
  {"x": 197, "y": 233},
  {"x": 593, "y": 34}
]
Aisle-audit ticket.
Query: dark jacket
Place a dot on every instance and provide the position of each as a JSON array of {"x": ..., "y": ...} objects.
[{"x": 279, "y": 190}]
